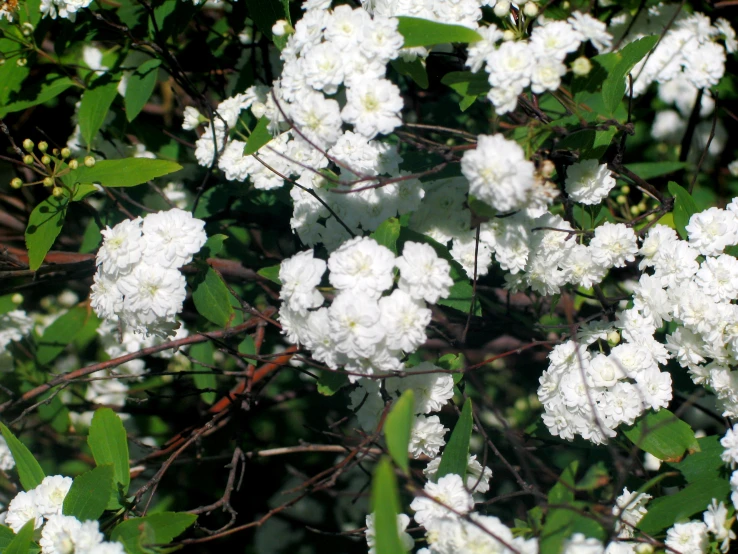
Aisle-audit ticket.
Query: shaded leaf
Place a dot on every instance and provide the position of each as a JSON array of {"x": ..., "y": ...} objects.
[
  {"x": 213, "y": 246},
  {"x": 204, "y": 377},
  {"x": 109, "y": 444},
  {"x": 455, "y": 458},
  {"x": 663, "y": 435},
  {"x": 50, "y": 88},
  {"x": 330, "y": 382},
  {"x": 422, "y": 32},
  {"x": 614, "y": 87},
  {"x": 397, "y": 429},
  {"x": 266, "y": 13},
  {"x": 560, "y": 521},
  {"x": 271, "y": 273},
  {"x": 60, "y": 333},
  {"x": 385, "y": 506},
  {"x": 21, "y": 543},
  {"x": 126, "y": 172},
  {"x": 467, "y": 83},
  {"x": 29, "y": 471},
  {"x": 259, "y": 137},
  {"x": 414, "y": 69},
  {"x": 89, "y": 494},
  {"x": 140, "y": 85},
  {"x": 684, "y": 208},
  {"x": 703, "y": 464},
  {"x": 94, "y": 106},
  {"x": 44, "y": 225},
  {"x": 649, "y": 170},
  {"x": 212, "y": 298},
  {"x": 387, "y": 234},
  {"x": 161, "y": 528}
]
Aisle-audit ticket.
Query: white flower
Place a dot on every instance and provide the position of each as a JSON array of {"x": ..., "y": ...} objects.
[
  {"x": 22, "y": 509},
  {"x": 498, "y": 173},
  {"x": 403, "y": 520},
  {"x": 361, "y": 265},
  {"x": 192, "y": 119},
  {"x": 477, "y": 478},
  {"x": 373, "y": 106},
  {"x": 715, "y": 517},
  {"x": 613, "y": 245},
  {"x": 448, "y": 492},
  {"x": 712, "y": 230},
  {"x": 588, "y": 182},
  {"x": 578, "y": 543},
  {"x": 59, "y": 535},
  {"x": 122, "y": 247},
  {"x": 404, "y": 320},
  {"x": 152, "y": 291},
  {"x": 687, "y": 538},
  {"x": 6, "y": 458},
  {"x": 730, "y": 444},
  {"x": 630, "y": 507},
  {"x": 14, "y": 325},
  {"x": 427, "y": 437},
  {"x": 554, "y": 39},
  {"x": 172, "y": 237},
  {"x": 50, "y": 494},
  {"x": 300, "y": 275},
  {"x": 423, "y": 275},
  {"x": 591, "y": 29},
  {"x": 355, "y": 324},
  {"x": 431, "y": 390},
  {"x": 546, "y": 75}
]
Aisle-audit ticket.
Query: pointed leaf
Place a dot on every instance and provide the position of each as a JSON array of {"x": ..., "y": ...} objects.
[
  {"x": 271, "y": 273},
  {"x": 109, "y": 444},
  {"x": 422, "y": 32},
  {"x": 398, "y": 427},
  {"x": 164, "y": 526},
  {"x": 50, "y": 88},
  {"x": 258, "y": 138},
  {"x": 212, "y": 298},
  {"x": 29, "y": 471},
  {"x": 94, "y": 106},
  {"x": 140, "y": 85},
  {"x": 614, "y": 86},
  {"x": 385, "y": 506},
  {"x": 22, "y": 541},
  {"x": 44, "y": 225},
  {"x": 387, "y": 234},
  {"x": 204, "y": 377},
  {"x": 456, "y": 454},
  {"x": 330, "y": 382},
  {"x": 60, "y": 333},
  {"x": 684, "y": 208},
  {"x": 126, "y": 172},
  {"x": 89, "y": 494},
  {"x": 663, "y": 434}
]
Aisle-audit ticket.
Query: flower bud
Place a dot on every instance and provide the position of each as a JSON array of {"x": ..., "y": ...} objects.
[
  {"x": 613, "y": 338},
  {"x": 16, "y": 183},
  {"x": 547, "y": 168},
  {"x": 281, "y": 28},
  {"x": 65, "y": 153},
  {"x": 43, "y": 146},
  {"x": 48, "y": 181},
  {"x": 27, "y": 29},
  {"x": 621, "y": 199},
  {"x": 57, "y": 192},
  {"x": 89, "y": 161},
  {"x": 635, "y": 210},
  {"x": 73, "y": 164},
  {"x": 581, "y": 66},
  {"x": 531, "y": 9},
  {"x": 46, "y": 160},
  {"x": 625, "y": 189},
  {"x": 502, "y": 8},
  {"x": 17, "y": 298},
  {"x": 28, "y": 145},
  {"x": 28, "y": 159},
  {"x": 508, "y": 35},
  {"x": 21, "y": 62}
]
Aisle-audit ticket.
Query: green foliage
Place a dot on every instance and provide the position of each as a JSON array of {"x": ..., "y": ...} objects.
[
  {"x": 29, "y": 470},
  {"x": 94, "y": 106},
  {"x": 397, "y": 429},
  {"x": 330, "y": 382},
  {"x": 44, "y": 225},
  {"x": 109, "y": 444},
  {"x": 706, "y": 462},
  {"x": 213, "y": 246},
  {"x": 270, "y": 273},
  {"x": 684, "y": 208},
  {"x": 212, "y": 298},
  {"x": 140, "y": 86},
  {"x": 21, "y": 543},
  {"x": 455, "y": 458},
  {"x": 386, "y": 506},
  {"x": 127, "y": 172},
  {"x": 60, "y": 333},
  {"x": 203, "y": 376},
  {"x": 387, "y": 234},
  {"x": 260, "y": 136},
  {"x": 137, "y": 533},
  {"x": 266, "y": 13},
  {"x": 421, "y": 32},
  {"x": 662, "y": 434},
  {"x": 51, "y": 87},
  {"x": 89, "y": 494},
  {"x": 469, "y": 85},
  {"x": 649, "y": 170},
  {"x": 414, "y": 69},
  {"x": 614, "y": 85}
]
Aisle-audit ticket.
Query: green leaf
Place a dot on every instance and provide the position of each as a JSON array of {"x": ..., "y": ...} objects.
[
  {"x": 266, "y": 13},
  {"x": 614, "y": 86},
  {"x": 59, "y": 334},
  {"x": 455, "y": 458},
  {"x": 83, "y": 191},
  {"x": 50, "y": 88},
  {"x": 109, "y": 444},
  {"x": 22, "y": 541},
  {"x": 163, "y": 528},
  {"x": 649, "y": 170},
  {"x": 89, "y": 494},
  {"x": 663, "y": 435},
  {"x": 560, "y": 521},
  {"x": 271, "y": 273},
  {"x": 6, "y": 534},
  {"x": 460, "y": 297},
  {"x": 704, "y": 464},
  {"x": 414, "y": 69},
  {"x": 212, "y": 298},
  {"x": 29, "y": 471},
  {"x": 421, "y": 32},
  {"x": 7, "y": 304},
  {"x": 94, "y": 106},
  {"x": 694, "y": 498},
  {"x": 684, "y": 208},
  {"x": 386, "y": 507},
  {"x": 387, "y": 234},
  {"x": 204, "y": 377},
  {"x": 141, "y": 84},
  {"x": 467, "y": 83},
  {"x": 126, "y": 172},
  {"x": 330, "y": 382},
  {"x": 44, "y": 225},
  {"x": 213, "y": 246},
  {"x": 258, "y": 137},
  {"x": 397, "y": 429}
]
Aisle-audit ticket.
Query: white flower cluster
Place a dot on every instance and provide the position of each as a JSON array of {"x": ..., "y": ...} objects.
[
  {"x": 688, "y": 49},
  {"x": 138, "y": 280},
  {"x": 538, "y": 63},
  {"x": 37, "y": 504},
  {"x": 66, "y": 9},
  {"x": 14, "y": 325},
  {"x": 458, "y": 12}
]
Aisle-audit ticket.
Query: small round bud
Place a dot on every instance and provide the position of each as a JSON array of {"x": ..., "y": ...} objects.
[
  {"x": 65, "y": 153},
  {"x": 644, "y": 548},
  {"x": 21, "y": 62},
  {"x": 547, "y": 168},
  {"x": 17, "y": 298},
  {"x": 27, "y": 29},
  {"x": 89, "y": 161},
  {"x": 581, "y": 66},
  {"x": 635, "y": 210},
  {"x": 613, "y": 338},
  {"x": 16, "y": 183},
  {"x": 43, "y": 146},
  {"x": 650, "y": 217},
  {"x": 57, "y": 192},
  {"x": 28, "y": 159},
  {"x": 55, "y": 151},
  {"x": 502, "y": 8},
  {"x": 28, "y": 145},
  {"x": 621, "y": 199},
  {"x": 642, "y": 205},
  {"x": 508, "y": 35},
  {"x": 2, "y": 60},
  {"x": 73, "y": 164},
  {"x": 531, "y": 9},
  {"x": 625, "y": 189},
  {"x": 565, "y": 5},
  {"x": 281, "y": 28},
  {"x": 48, "y": 181},
  {"x": 46, "y": 160}
]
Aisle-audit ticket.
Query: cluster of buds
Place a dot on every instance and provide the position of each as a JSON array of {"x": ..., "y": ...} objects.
[{"x": 51, "y": 167}]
